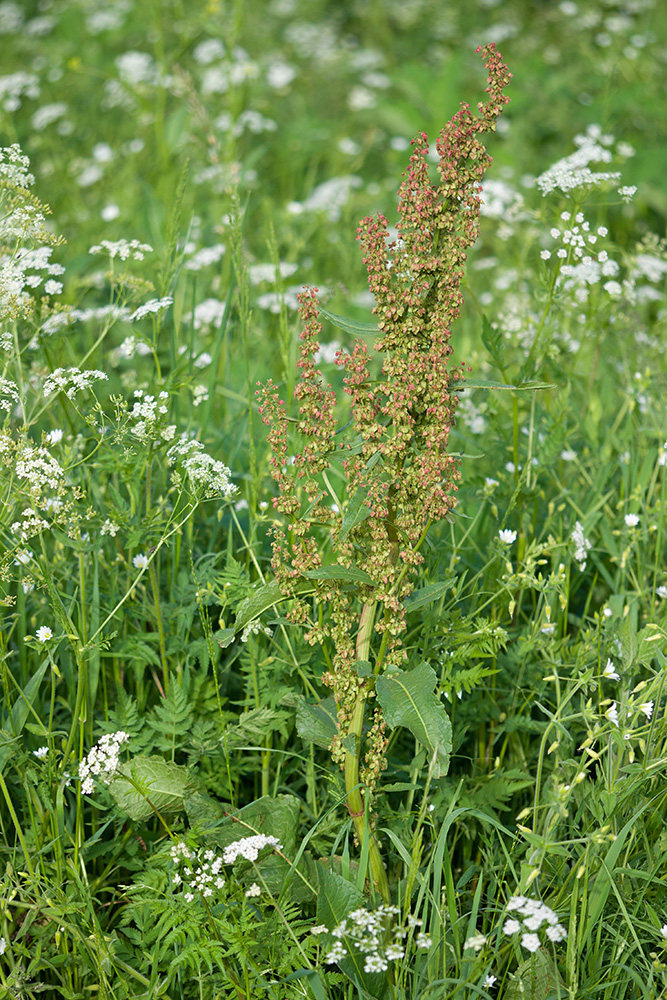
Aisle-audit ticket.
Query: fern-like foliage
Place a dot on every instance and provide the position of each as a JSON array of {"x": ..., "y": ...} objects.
[{"x": 171, "y": 720}]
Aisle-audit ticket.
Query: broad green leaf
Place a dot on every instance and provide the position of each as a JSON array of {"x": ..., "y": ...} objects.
[
  {"x": 335, "y": 899},
  {"x": 224, "y": 637},
  {"x": 261, "y": 600},
  {"x": 407, "y": 699},
  {"x": 13, "y": 725},
  {"x": 317, "y": 723},
  {"x": 353, "y": 326},
  {"x": 355, "y": 512},
  {"x": 166, "y": 785},
  {"x": 431, "y": 592},
  {"x": 276, "y": 815},
  {"x": 347, "y": 574}
]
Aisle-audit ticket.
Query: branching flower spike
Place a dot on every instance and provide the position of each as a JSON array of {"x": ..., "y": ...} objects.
[{"x": 400, "y": 477}]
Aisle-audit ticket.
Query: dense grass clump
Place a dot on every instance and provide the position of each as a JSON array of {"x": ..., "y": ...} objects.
[{"x": 332, "y": 577}]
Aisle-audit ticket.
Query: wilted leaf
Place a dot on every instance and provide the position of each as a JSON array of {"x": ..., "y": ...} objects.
[{"x": 536, "y": 979}]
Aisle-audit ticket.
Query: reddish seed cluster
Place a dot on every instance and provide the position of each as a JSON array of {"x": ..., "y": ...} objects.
[{"x": 397, "y": 455}]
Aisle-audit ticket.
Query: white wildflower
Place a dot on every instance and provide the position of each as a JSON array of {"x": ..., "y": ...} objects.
[
  {"x": 249, "y": 848},
  {"x": 632, "y": 520},
  {"x": 610, "y": 671},
  {"x": 506, "y": 536},
  {"x": 71, "y": 380},
  {"x": 44, "y": 634},
  {"x": 151, "y": 307},
  {"x": 103, "y": 761},
  {"x": 123, "y": 249},
  {"x": 42, "y": 753},
  {"x": 530, "y": 942},
  {"x": 140, "y": 561},
  {"x": 612, "y": 714},
  {"x": 477, "y": 941},
  {"x": 581, "y": 545}
]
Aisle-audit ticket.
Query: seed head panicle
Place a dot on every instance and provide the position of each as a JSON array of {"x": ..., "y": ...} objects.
[{"x": 400, "y": 477}]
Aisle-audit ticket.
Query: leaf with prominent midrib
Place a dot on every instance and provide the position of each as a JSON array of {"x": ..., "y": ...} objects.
[
  {"x": 485, "y": 383},
  {"x": 162, "y": 782},
  {"x": 346, "y": 574},
  {"x": 262, "y": 599},
  {"x": 354, "y": 326},
  {"x": 407, "y": 699}
]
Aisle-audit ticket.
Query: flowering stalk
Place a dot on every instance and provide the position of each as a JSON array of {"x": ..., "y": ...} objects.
[{"x": 400, "y": 478}]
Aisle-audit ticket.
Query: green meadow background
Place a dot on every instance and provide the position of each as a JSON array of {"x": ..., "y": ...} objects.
[{"x": 241, "y": 143}]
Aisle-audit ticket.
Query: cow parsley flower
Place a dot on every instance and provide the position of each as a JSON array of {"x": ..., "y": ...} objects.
[
  {"x": 249, "y": 847},
  {"x": 71, "y": 380},
  {"x": 124, "y": 249},
  {"x": 151, "y": 307},
  {"x": 205, "y": 474},
  {"x": 103, "y": 761},
  {"x": 531, "y": 916}
]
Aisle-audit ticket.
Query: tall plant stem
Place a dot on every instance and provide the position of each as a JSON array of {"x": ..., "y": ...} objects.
[
  {"x": 155, "y": 588},
  {"x": 356, "y": 803}
]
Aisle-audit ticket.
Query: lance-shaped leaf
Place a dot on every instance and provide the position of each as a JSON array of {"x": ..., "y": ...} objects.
[
  {"x": 346, "y": 574},
  {"x": 408, "y": 699},
  {"x": 485, "y": 383},
  {"x": 262, "y": 599},
  {"x": 355, "y": 512},
  {"x": 431, "y": 592},
  {"x": 155, "y": 782},
  {"x": 354, "y": 326}
]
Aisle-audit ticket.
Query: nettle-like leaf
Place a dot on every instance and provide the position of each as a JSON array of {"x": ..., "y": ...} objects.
[
  {"x": 408, "y": 699},
  {"x": 155, "y": 782}
]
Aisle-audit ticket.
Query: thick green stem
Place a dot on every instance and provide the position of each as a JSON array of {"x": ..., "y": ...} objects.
[{"x": 355, "y": 799}]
